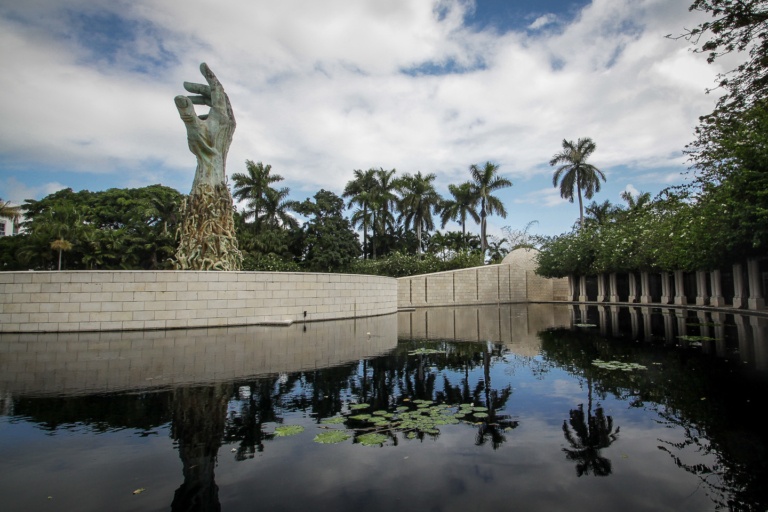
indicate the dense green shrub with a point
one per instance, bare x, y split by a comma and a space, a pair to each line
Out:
402, 265
269, 263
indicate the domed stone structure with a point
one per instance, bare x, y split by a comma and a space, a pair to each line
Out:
521, 258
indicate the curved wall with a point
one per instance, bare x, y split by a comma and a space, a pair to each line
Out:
137, 300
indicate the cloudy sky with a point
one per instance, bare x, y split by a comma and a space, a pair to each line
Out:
320, 88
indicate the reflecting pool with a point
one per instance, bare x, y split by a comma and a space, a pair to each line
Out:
510, 407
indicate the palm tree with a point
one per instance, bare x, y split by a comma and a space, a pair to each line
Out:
484, 183
275, 209
636, 203
360, 192
419, 199
384, 203
463, 204
253, 187
601, 213
575, 173
61, 245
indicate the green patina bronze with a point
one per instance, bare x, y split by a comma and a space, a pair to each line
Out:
207, 234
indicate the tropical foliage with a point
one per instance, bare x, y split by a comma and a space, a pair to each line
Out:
113, 229
574, 174
486, 181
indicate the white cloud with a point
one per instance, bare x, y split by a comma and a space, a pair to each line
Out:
542, 21
318, 89
632, 190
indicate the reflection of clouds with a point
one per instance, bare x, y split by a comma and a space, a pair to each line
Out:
567, 389
451, 474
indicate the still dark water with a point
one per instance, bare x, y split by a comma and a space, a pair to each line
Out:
515, 407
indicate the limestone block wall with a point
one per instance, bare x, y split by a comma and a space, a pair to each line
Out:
479, 285
139, 300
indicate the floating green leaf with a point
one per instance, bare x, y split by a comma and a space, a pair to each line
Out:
332, 437
361, 417
372, 439
333, 421
355, 407
618, 365
288, 430
481, 415
425, 351
696, 338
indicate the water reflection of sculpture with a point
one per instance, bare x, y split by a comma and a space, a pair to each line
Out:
198, 428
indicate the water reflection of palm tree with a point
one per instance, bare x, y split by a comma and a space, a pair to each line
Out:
494, 426
587, 435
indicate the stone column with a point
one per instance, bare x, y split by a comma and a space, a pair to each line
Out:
759, 337
666, 288
601, 288
601, 313
669, 329
633, 322
583, 314
756, 300
647, 331
739, 297
719, 320
632, 287
681, 315
645, 288
582, 288
571, 286
613, 294
744, 333
615, 320
680, 298
705, 330
701, 288
717, 298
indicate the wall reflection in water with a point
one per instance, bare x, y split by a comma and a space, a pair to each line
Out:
72, 363
540, 411
718, 333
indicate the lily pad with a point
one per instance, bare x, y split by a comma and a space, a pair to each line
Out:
425, 351
696, 338
288, 430
356, 407
336, 420
618, 365
332, 437
372, 439
361, 417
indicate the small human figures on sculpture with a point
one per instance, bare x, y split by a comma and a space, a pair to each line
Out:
207, 238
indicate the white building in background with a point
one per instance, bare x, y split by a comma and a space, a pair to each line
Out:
9, 227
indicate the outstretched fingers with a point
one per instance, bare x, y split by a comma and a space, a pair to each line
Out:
216, 91
186, 109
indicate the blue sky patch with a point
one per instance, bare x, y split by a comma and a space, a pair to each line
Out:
112, 39
508, 15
